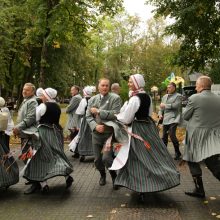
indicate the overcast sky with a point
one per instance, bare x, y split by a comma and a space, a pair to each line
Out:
138, 7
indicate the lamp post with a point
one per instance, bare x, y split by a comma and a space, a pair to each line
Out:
154, 90
74, 77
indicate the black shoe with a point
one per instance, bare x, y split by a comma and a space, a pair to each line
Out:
196, 193
82, 158
45, 189
113, 176
142, 197
29, 182
34, 187
178, 156
76, 155
102, 180
69, 182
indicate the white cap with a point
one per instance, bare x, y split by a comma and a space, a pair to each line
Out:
50, 93
2, 102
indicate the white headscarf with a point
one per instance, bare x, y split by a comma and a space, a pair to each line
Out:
39, 92
2, 102
87, 91
50, 94
138, 81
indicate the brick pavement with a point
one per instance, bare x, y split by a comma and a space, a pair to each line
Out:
86, 199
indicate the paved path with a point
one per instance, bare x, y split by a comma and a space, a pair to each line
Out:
86, 199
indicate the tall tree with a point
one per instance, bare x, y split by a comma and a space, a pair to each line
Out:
197, 24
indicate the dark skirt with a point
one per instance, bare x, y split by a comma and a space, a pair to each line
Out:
9, 172
50, 159
85, 141
146, 170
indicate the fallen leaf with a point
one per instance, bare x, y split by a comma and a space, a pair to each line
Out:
127, 194
206, 202
113, 211
214, 213
212, 198
89, 216
217, 216
123, 205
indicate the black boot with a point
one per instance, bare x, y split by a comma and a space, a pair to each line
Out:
34, 187
199, 189
102, 180
113, 176
177, 152
69, 182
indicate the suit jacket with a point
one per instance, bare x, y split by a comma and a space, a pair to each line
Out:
26, 119
108, 106
172, 111
202, 114
73, 119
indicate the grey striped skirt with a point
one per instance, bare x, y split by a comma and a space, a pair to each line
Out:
85, 141
148, 170
50, 160
9, 172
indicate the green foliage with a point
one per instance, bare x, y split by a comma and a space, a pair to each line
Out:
197, 25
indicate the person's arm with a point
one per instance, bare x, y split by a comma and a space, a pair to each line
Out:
110, 114
176, 104
82, 107
74, 102
89, 116
188, 111
30, 118
128, 114
40, 111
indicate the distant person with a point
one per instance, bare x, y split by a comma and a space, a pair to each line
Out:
202, 143
115, 88
85, 137
170, 109
73, 119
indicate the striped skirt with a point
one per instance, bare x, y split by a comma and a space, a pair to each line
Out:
9, 172
148, 170
50, 160
85, 141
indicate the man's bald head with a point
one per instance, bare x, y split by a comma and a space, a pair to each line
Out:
203, 83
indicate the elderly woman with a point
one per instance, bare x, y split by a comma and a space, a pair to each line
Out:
9, 173
149, 166
49, 160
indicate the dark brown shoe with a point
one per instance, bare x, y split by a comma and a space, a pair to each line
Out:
102, 180
69, 182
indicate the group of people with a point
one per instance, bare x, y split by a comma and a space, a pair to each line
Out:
123, 139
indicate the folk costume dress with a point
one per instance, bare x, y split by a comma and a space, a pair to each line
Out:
9, 172
50, 159
146, 170
85, 133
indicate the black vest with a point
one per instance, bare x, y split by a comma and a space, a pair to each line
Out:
143, 111
52, 114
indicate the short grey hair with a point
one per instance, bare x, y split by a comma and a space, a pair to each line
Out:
30, 85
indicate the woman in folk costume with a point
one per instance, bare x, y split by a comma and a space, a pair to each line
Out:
85, 136
49, 160
9, 172
149, 166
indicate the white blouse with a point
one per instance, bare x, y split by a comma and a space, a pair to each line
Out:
40, 111
81, 110
128, 110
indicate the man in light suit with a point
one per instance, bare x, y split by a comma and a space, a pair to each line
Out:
102, 109
170, 109
202, 114
26, 127
73, 119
